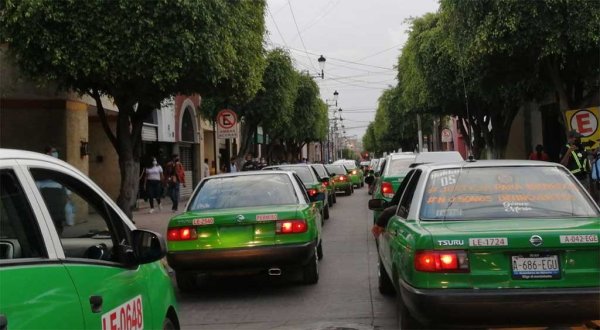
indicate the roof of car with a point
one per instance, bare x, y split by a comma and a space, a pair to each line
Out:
403, 156
248, 173
438, 156
488, 163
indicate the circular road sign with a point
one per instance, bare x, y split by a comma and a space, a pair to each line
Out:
226, 118
585, 122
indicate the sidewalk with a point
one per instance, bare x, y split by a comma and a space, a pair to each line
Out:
157, 221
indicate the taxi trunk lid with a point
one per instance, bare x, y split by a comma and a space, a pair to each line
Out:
233, 228
523, 253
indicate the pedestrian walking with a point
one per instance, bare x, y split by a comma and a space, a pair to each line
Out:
232, 166
205, 169
153, 184
250, 164
539, 154
175, 178
574, 157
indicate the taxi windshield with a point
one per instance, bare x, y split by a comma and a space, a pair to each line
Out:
337, 169
244, 191
399, 166
321, 171
503, 192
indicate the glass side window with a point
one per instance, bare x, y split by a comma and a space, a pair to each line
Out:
407, 196
87, 226
20, 235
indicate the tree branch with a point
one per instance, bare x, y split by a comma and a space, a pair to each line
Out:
103, 120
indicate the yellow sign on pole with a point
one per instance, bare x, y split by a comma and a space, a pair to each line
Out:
585, 121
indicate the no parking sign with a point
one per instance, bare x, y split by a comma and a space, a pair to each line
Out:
585, 121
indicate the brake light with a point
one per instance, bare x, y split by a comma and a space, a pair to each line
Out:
312, 192
354, 172
181, 234
387, 190
325, 184
290, 226
342, 178
442, 261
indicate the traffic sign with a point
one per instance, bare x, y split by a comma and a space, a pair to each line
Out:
585, 121
446, 135
227, 127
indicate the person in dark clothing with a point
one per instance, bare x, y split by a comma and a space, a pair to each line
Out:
250, 164
389, 211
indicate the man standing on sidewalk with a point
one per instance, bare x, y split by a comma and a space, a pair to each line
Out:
175, 177
574, 157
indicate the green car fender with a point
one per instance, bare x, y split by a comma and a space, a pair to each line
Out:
161, 293
406, 236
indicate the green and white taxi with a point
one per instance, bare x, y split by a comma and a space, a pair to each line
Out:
392, 172
247, 222
70, 258
492, 243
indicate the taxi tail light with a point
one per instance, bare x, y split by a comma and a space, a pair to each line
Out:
387, 190
290, 226
325, 184
342, 178
312, 192
354, 172
181, 234
455, 261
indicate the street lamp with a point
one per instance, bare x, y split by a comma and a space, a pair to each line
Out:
321, 61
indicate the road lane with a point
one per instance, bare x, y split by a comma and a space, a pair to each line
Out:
346, 295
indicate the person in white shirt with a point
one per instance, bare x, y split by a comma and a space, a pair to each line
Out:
153, 184
232, 166
205, 169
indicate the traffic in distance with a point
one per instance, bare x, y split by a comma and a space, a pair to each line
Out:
459, 243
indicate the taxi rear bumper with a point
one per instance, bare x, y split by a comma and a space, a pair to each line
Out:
503, 306
288, 255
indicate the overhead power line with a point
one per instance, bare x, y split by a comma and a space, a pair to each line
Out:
277, 27
300, 35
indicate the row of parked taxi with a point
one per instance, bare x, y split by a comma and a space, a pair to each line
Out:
70, 258
485, 243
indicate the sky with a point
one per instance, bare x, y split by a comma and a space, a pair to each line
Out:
361, 41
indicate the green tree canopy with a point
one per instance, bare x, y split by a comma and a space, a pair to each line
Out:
138, 53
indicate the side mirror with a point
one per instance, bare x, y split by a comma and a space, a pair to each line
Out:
376, 204
332, 175
369, 180
148, 246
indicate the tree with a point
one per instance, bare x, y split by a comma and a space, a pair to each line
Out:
138, 53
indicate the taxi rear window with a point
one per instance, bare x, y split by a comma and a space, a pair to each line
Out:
503, 192
337, 169
304, 172
244, 191
398, 167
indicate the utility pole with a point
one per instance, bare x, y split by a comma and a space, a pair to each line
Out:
420, 133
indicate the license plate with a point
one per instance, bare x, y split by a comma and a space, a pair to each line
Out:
535, 266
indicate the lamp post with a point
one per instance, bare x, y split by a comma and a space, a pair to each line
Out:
321, 75
330, 131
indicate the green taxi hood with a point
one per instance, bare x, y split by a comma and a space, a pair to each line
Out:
229, 216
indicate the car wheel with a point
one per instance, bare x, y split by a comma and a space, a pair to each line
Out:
310, 272
320, 250
326, 212
351, 190
334, 198
348, 191
405, 319
386, 287
186, 280
330, 201
168, 324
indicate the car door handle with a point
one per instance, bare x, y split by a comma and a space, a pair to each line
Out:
3, 322
96, 304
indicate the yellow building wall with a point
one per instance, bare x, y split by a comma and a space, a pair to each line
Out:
103, 159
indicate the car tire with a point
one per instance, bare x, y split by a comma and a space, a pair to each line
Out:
310, 272
348, 191
386, 287
320, 250
330, 201
334, 197
405, 319
326, 212
186, 281
168, 324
